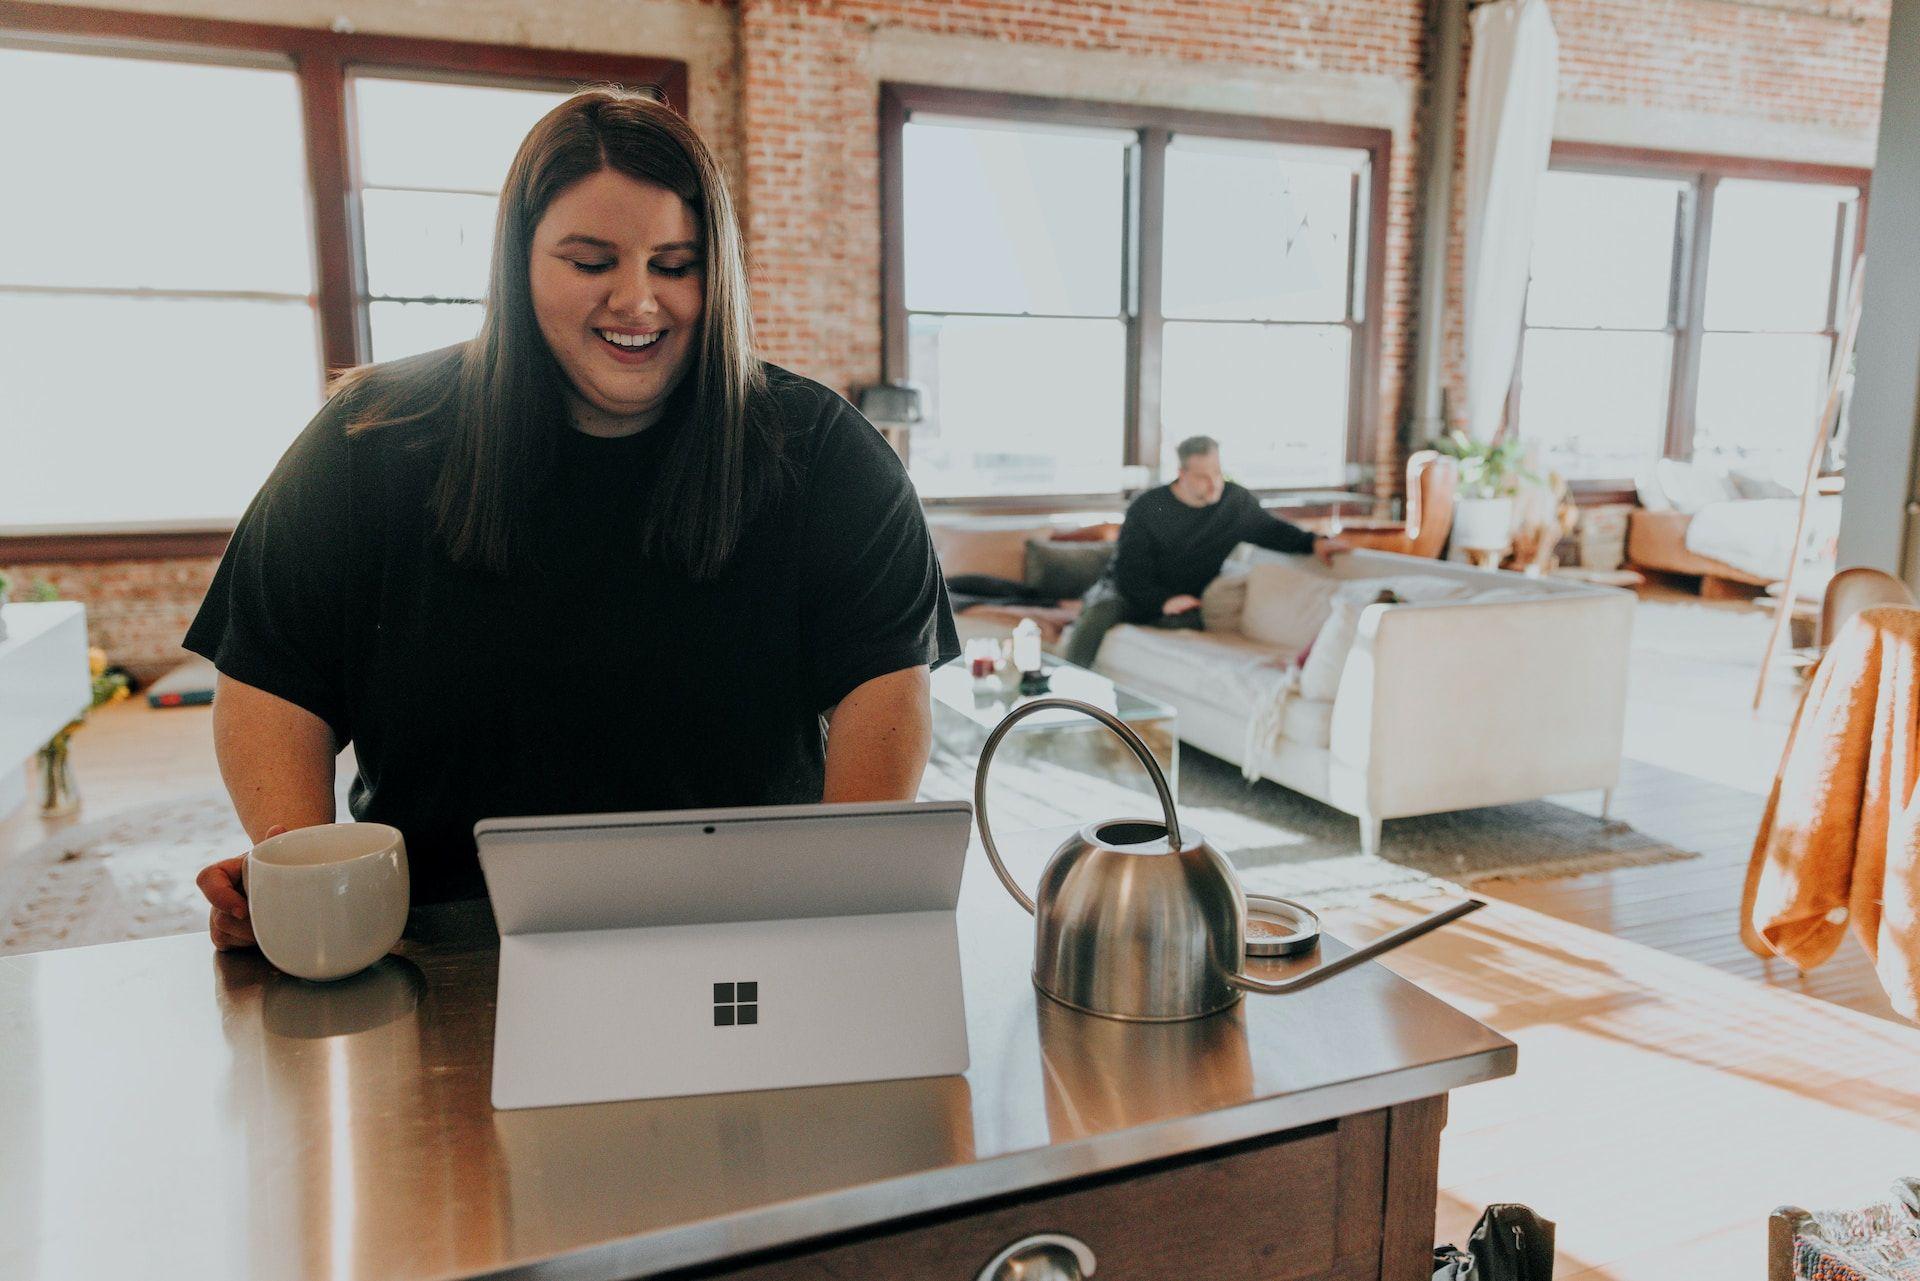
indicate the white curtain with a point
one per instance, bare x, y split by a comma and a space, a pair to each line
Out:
1511, 86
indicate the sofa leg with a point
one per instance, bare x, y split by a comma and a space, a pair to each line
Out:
1606, 804
1369, 836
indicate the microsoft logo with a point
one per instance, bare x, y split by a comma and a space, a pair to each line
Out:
736, 1004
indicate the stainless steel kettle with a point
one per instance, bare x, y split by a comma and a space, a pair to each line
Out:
1138, 920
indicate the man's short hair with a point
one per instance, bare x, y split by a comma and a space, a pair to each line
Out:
1196, 447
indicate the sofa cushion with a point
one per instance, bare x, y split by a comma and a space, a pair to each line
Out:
1286, 604
1065, 570
1691, 486
1224, 602
1221, 669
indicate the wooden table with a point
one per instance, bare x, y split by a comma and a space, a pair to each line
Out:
169, 1112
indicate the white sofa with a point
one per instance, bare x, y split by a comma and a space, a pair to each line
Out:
1443, 705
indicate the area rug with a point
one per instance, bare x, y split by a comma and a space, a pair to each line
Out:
128, 876
1288, 844
131, 875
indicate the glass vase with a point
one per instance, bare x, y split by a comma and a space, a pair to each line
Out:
59, 794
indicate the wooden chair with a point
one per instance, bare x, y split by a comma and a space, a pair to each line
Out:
1852, 590
1432, 479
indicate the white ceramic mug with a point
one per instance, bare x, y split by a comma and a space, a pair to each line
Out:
328, 901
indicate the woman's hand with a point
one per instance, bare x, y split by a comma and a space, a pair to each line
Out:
226, 889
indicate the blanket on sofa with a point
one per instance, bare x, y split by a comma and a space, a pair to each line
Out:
1755, 535
1840, 838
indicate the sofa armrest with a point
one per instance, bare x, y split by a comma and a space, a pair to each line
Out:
1455, 704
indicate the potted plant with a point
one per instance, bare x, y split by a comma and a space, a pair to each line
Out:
1491, 472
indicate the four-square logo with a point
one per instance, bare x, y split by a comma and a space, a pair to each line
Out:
736, 1004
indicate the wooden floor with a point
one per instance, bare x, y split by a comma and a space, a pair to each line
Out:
1672, 1088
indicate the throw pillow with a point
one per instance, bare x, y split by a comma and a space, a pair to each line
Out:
1691, 486
1224, 602
1646, 487
1759, 482
1320, 672
1286, 604
1063, 570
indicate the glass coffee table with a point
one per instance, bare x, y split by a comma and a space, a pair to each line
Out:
966, 709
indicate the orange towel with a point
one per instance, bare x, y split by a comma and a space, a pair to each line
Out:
1840, 842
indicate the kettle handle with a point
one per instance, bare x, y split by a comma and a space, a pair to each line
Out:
1112, 722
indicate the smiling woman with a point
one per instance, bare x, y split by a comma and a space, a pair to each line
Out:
601, 557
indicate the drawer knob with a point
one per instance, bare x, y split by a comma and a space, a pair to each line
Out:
1045, 1256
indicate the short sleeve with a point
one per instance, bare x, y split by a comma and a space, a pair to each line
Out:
874, 600
274, 617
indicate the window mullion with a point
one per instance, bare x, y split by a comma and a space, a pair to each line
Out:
1147, 210
323, 104
1693, 237
1837, 282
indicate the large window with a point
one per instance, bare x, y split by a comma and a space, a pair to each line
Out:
431, 158
1077, 288
156, 300
178, 277
1685, 308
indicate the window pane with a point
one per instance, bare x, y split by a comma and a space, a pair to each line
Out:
1770, 263
1595, 403
1017, 406
1223, 381
408, 328
158, 175
1256, 231
1013, 220
450, 137
1759, 397
428, 244
186, 425
1603, 250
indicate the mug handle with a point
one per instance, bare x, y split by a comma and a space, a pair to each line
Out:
1112, 722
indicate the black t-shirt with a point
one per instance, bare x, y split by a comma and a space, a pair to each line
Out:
604, 680
1169, 549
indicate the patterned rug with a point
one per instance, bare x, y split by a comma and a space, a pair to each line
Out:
131, 875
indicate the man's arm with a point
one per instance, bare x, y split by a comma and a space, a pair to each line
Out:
1263, 529
878, 738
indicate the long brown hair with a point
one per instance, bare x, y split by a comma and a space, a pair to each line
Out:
505, 395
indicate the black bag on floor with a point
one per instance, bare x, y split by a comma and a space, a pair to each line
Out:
1510, 1243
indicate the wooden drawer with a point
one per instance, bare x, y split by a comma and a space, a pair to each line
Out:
1311, 1203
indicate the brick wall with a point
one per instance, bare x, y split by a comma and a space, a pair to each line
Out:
137, 610
787, 91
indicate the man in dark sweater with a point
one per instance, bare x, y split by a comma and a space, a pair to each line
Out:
1172, 545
